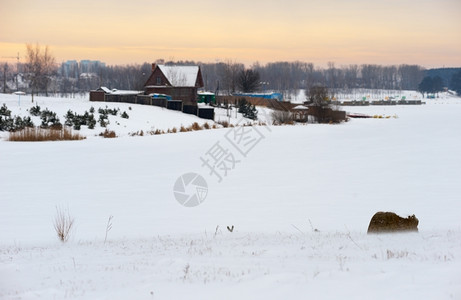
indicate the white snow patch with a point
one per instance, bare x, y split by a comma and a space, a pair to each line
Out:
296, 179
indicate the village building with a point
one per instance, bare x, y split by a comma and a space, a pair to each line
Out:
300, 113
179, 82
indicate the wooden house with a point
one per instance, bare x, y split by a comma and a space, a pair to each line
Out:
179, 82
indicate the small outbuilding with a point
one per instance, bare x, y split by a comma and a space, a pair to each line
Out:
300, 113
206, 97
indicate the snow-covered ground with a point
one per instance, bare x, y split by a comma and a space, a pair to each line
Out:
141, 117
300, 198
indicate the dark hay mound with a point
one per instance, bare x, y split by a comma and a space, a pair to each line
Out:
385, 222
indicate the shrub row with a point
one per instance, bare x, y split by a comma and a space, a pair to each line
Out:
12, 123
8, 123
76, 120
49, 119
108, 111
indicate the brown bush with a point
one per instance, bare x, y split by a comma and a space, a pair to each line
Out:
385, 222
63, 224
108, 134
56, 126
174, 130
183, 129
195, 126
224, 124
139, 133
206, 126
38, 134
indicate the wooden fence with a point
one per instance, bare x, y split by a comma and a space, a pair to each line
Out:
204, 113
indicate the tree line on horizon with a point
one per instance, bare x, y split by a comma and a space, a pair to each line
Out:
40, 74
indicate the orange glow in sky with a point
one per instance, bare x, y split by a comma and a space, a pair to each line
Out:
424, 32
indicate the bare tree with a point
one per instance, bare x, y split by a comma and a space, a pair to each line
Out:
309, 74
411, 76
223, 77
248, 80
332, 75
319, 103
351, 76
5, 73
229, 75
40, 66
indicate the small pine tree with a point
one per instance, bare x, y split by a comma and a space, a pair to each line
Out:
103, 120
6, 123
252, 112
18, 123
69, 118
49, 119
35, 110
242, 105
91, 121
4, 111
27, 122
247, 110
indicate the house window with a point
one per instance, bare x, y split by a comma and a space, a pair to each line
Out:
159, 80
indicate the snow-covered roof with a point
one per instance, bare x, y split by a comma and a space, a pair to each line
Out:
118, 92
105, 90
183, 76
300, 107
124, 92
88, 75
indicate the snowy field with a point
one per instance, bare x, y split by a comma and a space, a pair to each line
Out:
300, 200
299, 96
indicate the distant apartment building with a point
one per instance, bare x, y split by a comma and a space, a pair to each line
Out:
91, 66
74, 69
69, 69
